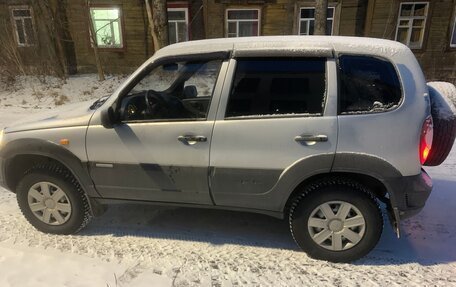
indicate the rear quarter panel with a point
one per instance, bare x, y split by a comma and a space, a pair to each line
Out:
392, 135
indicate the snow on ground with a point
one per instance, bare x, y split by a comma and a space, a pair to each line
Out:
142, 245
24, 266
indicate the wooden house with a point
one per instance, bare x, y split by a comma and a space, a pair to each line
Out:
427, 27
123, 35
121, 28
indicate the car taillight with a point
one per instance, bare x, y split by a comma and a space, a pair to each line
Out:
426, 139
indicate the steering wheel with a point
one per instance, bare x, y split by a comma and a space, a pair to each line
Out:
156, 107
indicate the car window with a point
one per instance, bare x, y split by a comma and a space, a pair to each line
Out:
277, 86
160, 78
174, 91
204, 79
367, 84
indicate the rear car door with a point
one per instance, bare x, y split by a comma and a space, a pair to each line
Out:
276, 125
160, 149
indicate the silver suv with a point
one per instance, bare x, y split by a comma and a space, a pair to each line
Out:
321, 131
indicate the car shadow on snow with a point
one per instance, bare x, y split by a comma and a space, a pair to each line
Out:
427, 238
203, 225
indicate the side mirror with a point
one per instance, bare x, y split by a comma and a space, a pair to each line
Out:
108, 118
190, 92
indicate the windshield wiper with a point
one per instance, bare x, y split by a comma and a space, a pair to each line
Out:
98, 103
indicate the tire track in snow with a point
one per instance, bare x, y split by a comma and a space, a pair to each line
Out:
228, 259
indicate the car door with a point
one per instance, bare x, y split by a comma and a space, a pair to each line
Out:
276, 126
159, 150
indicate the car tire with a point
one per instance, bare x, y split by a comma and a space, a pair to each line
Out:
52, 200
443, 111
352, 229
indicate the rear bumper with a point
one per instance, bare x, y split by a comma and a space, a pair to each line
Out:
410, 194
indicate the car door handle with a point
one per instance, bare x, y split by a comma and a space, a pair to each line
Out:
311, 138
189, 139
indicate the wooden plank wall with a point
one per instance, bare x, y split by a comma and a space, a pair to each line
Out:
36, 58
280, 17
437, 59
137, 40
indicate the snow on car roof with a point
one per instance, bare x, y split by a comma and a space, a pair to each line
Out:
295, 44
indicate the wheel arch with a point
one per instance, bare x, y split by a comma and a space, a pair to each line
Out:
374, 172
22, 154
377, 187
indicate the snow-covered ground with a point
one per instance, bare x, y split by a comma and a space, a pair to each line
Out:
145, 245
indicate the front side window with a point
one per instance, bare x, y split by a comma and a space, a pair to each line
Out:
177, 25
277, 86
411, 23
367, 85
307, 21
173, 91
23, 26
107, 25
453, 34
243, 23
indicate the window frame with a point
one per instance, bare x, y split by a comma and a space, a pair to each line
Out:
274, 116
164, 61
227, 21
410, 24
186, 21
339, 81
16, 32
310, 19
121, 25
453, 31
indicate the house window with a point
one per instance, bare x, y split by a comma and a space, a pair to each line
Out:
411, 23
178, 25
243, 22
307, 21
453, 35
107, 25
23, 26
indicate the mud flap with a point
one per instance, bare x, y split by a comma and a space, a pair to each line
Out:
97, 209
394, 219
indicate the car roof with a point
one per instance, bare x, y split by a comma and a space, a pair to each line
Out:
293, 45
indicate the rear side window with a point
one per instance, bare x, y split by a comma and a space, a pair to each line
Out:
367, 84
277, 86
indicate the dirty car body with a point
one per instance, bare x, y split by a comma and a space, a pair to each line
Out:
244, 125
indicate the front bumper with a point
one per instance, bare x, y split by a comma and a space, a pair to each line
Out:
410, 194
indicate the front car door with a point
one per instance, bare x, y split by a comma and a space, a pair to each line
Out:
276, 126
159, 150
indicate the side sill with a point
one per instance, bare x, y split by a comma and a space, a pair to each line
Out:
110, 201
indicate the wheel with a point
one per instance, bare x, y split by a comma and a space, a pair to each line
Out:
336, 220
443, 101
52, 200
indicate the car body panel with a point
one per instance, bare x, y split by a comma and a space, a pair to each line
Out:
250, 156
230, 164
391, 135
149, 162
71, 115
